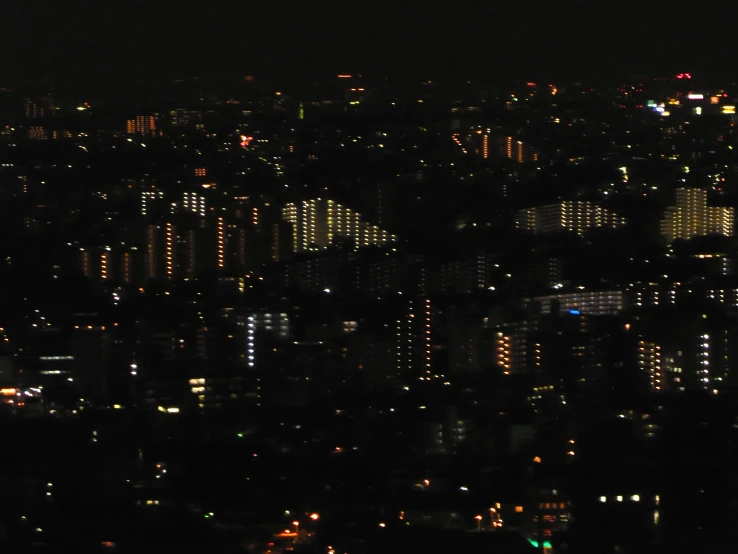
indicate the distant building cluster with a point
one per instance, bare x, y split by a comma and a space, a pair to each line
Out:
498, 309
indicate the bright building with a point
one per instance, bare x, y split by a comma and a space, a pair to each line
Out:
316, 223
577, 216
692, 217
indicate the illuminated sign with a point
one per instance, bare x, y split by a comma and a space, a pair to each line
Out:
8, 392
696, 96
729, 109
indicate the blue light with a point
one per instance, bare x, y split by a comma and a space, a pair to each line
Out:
574, 312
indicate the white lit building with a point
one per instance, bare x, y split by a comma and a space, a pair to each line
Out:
149, 197
577, 216
413, 341
581, 302
316, 223
194, 203
692, 217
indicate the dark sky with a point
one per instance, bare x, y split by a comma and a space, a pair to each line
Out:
113, 41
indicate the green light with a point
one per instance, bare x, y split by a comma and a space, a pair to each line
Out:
240, 435
546, 544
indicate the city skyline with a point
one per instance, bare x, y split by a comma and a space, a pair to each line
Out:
362, 315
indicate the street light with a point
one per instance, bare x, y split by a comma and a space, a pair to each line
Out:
479, 522
314, 517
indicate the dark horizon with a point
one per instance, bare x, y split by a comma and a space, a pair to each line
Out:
83, 43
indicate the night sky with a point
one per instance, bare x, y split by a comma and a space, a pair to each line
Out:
113, 41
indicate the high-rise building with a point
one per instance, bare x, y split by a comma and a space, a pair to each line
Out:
120, 263
170, 250
222, 244
181, 117
37, 132
161, 251
35, 110
153, 203
577, 216
130, 262
193, 203
94, 263
581, 302
498, 147
316, 223
503, 351
467, 274
512, 149
649, 363
692, 217
90, 348
141, 125
189, 240
413, 341
280, 240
